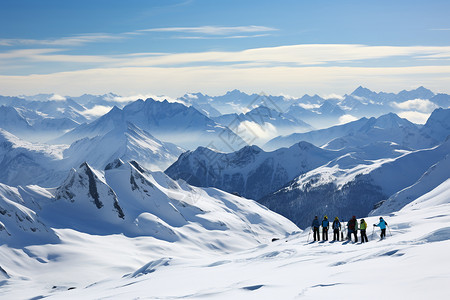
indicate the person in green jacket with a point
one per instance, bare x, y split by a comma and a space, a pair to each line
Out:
362, 228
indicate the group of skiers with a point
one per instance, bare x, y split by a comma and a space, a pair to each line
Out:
352, 229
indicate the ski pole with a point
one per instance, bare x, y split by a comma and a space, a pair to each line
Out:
373, 230
389, 230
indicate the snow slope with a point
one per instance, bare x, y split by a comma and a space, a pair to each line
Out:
411, 263
22, 162
433, 177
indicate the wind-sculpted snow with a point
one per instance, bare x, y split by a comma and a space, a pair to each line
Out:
250, 172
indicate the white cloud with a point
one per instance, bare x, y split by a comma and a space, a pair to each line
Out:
309, 106
212, 30
294, 55
249, 130
96, 111
333, 96
415, 116
215, 80
57, 97
420, 105
75, 40
347, 119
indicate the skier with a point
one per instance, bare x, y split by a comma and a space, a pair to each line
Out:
382, 224
352, 228
315, 225
325, 225
336, 227
363, 227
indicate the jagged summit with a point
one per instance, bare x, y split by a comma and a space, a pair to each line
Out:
362, 92
85, 191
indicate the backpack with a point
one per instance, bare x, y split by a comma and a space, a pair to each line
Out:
336, 224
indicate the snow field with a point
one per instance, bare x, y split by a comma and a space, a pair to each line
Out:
411, 264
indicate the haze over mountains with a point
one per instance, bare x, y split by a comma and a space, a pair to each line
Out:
203, 176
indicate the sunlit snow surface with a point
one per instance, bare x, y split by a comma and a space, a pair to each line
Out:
412, 263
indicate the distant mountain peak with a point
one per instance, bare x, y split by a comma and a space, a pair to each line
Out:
361, 91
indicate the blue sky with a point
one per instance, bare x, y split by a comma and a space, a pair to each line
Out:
172, 47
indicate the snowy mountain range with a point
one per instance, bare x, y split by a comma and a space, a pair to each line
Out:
87, 219
353, 185
171, 122
250, 172
262, 123
388, 127
128, 199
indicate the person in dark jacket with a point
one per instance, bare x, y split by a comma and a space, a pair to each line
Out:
382, 224
336, 228
315, 226
325, 225
362, 228
352, 228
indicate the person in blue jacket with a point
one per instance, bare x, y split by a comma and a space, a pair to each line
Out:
315, 226
382, 224
325, 226
336, 228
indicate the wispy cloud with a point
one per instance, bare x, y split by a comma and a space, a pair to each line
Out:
206, 32
75, 40
220, 37
213, 30
293, 55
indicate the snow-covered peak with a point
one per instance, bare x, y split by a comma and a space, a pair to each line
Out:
362, 92
126, 141
438, 124
86, 195
390, 121
419, 93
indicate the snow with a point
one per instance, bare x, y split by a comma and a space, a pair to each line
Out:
411, 263
113, 229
